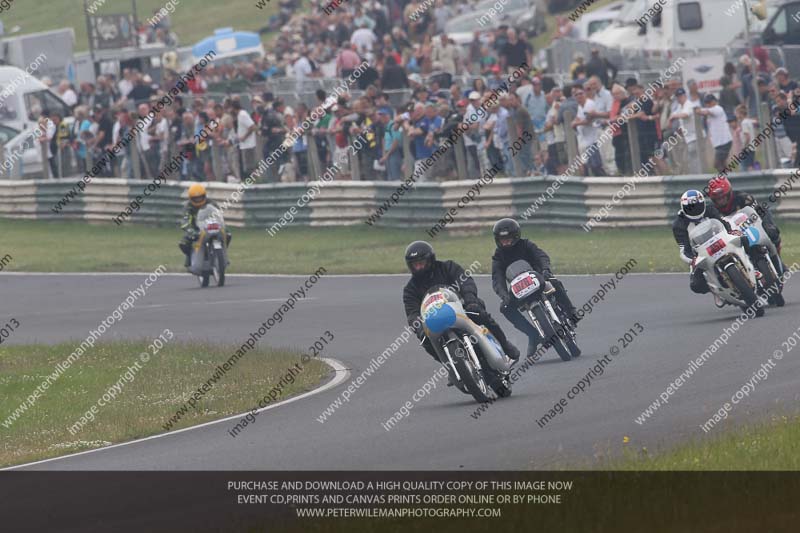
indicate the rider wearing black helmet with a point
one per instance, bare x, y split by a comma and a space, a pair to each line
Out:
512, 247
427, 272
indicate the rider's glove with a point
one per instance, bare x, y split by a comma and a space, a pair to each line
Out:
694, 260
420, 333
736, 232
506, 300
473, 306
547, 274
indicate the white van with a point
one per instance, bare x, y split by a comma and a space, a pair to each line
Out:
23, 97
682, 25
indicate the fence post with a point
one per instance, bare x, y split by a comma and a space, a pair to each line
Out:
43, 149
570, 137
216, 160
461, 159
512, 133
702, 142
355, 170
408, 159
771, 146
315, 169
136, 163
633, 143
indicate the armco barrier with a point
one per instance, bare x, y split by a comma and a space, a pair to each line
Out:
653, 201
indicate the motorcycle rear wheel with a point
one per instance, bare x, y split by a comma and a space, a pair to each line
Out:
762, 264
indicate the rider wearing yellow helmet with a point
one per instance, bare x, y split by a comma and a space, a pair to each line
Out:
197, 200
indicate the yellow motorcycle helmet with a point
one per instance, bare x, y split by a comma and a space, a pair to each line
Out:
197, 194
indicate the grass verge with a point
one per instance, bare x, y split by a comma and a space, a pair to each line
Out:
773, 445
44, 246
145, 400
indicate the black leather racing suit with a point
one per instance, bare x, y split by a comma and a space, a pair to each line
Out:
540, 262
450, 274
680, 230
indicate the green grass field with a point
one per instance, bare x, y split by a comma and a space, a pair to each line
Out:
73, 246
148, 397
774, 445
192, 20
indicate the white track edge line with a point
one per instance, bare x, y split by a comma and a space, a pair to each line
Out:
341, 374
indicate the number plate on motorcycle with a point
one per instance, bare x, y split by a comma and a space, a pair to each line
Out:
715, 247
217, 245
212, 226
437, 299
523, 285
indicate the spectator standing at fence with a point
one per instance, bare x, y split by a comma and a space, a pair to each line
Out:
603, 100
184, 142
619, 130
646, 119
393, 76
746, 132
524, 134
534, 100
728, 98
554, 135
718, 130
246, 137
423, 132
588, 132
392, 157
273, 131
783, 141
682, 119
102, 142
364, 39
472, 137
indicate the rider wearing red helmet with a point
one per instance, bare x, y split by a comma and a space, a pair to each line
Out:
728, 201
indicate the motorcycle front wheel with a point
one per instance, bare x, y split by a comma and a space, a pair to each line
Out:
218, 265
471, 377
763, 266
550, 336
745, 290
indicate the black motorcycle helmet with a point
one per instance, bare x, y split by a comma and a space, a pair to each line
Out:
420, 258
504, 229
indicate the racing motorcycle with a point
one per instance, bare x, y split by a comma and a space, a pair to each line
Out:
469, 352
723, 260
535, 299
762, 252
210, 249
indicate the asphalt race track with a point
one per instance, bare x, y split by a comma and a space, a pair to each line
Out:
365, 314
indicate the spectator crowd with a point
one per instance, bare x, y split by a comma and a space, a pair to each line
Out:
417, 87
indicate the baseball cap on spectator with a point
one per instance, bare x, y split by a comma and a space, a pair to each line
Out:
385, 111
474, 95
630, 82
708, 98
680, 91
416, 78
781, 70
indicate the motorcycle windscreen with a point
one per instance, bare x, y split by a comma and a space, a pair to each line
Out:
516, 268
440, 319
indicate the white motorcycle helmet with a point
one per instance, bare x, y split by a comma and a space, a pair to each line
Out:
693, 205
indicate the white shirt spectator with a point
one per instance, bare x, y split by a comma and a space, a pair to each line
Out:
70, 98
302, 68
688, 123
588, 134
244, 123
748, 131
718, 130
162, 132
125, 87
364, 38
603, 100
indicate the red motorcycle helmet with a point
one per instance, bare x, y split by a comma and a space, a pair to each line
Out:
721, 193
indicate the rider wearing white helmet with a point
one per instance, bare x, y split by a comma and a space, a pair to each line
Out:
693, 210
